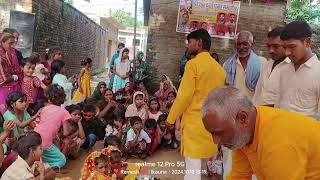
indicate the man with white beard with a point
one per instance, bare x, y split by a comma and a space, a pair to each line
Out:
268, 142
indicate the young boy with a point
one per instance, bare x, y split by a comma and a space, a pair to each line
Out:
152, 129
138, 142
29, 164
90, 126
167, 134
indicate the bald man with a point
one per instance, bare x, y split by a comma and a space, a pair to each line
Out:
270, 143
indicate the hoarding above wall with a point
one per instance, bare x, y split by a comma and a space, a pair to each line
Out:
218, 17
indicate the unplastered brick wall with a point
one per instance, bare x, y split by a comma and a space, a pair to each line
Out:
59, 24
165, 46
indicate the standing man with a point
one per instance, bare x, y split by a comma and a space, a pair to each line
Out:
243, 68
299, 89
271, 143
265, 93
202, 74
112, 63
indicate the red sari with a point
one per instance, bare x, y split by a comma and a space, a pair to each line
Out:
9, 66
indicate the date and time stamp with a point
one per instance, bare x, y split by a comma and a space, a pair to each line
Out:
168, 168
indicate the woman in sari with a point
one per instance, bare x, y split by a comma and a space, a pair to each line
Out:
10, 71
140, 69
99, 91
121, 70
163, 93
164, 78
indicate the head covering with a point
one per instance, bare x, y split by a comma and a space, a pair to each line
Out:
134, 97
162, 93
132, 109
171, 84
138, 54
89, 165
96, 93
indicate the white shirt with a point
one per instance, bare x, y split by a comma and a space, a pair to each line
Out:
240, 79
18, 170
37, 72
266, 89
143, 136
299, 91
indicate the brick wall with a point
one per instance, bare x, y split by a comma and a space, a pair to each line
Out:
165, 46
59, 24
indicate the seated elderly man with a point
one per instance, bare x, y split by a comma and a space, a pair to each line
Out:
271, 143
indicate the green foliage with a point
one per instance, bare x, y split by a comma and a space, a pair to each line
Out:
303, 10
69, 2
126, 18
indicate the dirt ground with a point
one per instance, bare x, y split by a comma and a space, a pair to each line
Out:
164, 164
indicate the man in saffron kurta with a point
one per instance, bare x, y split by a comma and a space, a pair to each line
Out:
270, 143
202, 74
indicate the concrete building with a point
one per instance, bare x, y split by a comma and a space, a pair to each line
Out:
112, 26
57, 24
127, 37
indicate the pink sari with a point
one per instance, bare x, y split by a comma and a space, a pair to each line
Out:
9, 66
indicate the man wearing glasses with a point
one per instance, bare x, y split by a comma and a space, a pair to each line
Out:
269, 75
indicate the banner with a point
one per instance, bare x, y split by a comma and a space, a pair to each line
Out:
218, 17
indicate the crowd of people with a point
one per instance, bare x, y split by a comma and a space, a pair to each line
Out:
54, 117
47, 118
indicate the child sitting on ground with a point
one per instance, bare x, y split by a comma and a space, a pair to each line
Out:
138, 142
154, 111
166, 133
90, 126
17, 104
106, 164
138, 107
99, 171
52, 117
116, 126
29, 164
78, 137
153, 131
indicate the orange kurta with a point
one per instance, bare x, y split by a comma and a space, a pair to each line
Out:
286, 146
202, 74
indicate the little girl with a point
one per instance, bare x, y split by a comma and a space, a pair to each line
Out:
121, 70
57, 72
31, 84
138, 107
52, 117
154, 111
84, 89
17, 104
